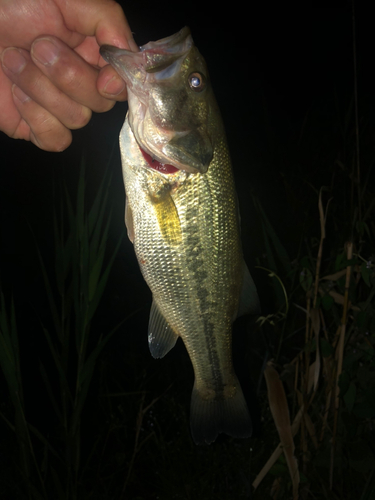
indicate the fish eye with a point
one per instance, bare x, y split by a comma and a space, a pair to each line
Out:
197, 82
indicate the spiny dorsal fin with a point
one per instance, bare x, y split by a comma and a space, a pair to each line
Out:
161, 337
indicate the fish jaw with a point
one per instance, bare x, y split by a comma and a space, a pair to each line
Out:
172, 131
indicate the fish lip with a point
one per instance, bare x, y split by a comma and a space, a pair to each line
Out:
110, 54
165, 161
188, 166
172, 43
146, 60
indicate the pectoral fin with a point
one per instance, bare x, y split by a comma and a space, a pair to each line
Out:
249, 300
129, 221
161, 337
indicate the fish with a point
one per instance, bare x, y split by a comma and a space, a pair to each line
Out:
182, 217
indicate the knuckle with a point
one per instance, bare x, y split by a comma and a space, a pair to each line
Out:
71, 78
81, 118
117, 9
49, 134
35, 84
50, 141
21, 131
106, 105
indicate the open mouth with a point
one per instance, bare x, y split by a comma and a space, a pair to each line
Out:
156, 165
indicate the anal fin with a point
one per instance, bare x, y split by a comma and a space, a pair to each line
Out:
161, 337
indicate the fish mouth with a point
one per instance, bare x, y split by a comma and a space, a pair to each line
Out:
153, 57
161, 165
194, 158
154, 164
156, 62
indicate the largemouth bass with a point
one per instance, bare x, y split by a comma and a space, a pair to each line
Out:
181, 214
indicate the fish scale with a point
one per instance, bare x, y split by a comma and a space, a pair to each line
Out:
184, 225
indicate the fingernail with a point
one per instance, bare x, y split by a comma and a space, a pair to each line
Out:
114, 86
20, 94
13, 60
45, 51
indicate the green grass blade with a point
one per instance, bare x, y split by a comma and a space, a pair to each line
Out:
9, 424
50, 392
58, 364
96, 260
102, 282
52, 304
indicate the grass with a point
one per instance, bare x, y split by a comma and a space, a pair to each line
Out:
331, 398
81, 273
120, 428
117, 420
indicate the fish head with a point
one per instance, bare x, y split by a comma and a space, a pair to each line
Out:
170, 100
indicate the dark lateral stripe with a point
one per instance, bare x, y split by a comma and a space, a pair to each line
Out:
212, 350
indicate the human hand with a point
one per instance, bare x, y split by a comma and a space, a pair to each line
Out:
52, 75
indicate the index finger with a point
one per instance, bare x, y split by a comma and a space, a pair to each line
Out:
103, 19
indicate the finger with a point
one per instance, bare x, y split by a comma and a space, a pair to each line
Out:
9, 116
21, 70
103, 19
73, 75
23, 20
111, 85
38, 125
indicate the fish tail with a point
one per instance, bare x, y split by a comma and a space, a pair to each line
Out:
211, 416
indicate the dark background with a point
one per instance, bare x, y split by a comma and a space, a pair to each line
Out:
271, 69
281, 77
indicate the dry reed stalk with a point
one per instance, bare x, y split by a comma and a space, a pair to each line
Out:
325, 416
340, 356
324, 327
310, 429
276, 488
323, 217
328, 371
328, 376
313, 326
280, 412
305, 381
277, 452
296, 374
315, 321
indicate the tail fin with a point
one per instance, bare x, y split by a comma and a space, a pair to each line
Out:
209, 417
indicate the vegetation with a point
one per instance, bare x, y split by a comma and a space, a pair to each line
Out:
89, 415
